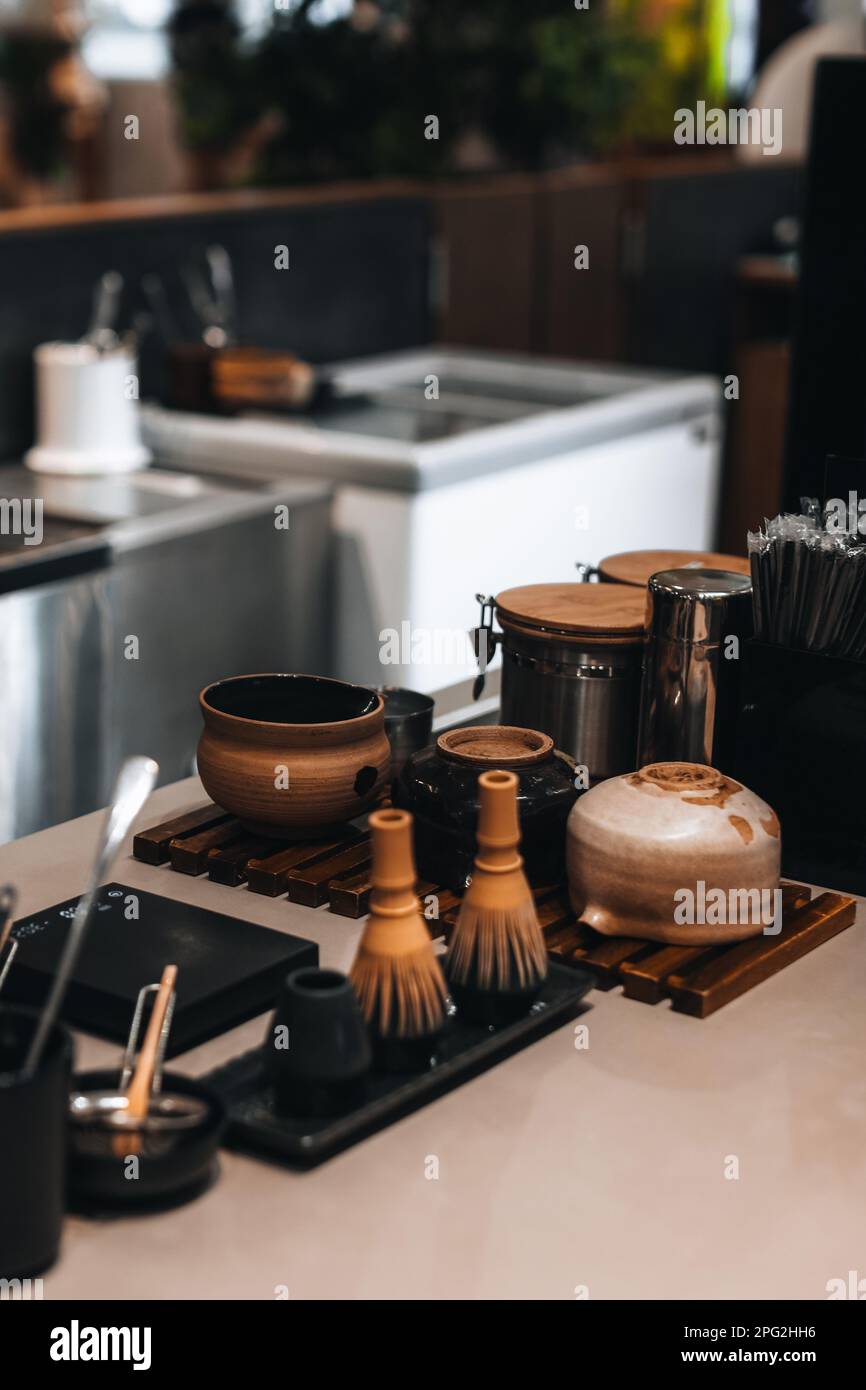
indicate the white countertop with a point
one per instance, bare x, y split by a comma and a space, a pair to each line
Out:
559, 1168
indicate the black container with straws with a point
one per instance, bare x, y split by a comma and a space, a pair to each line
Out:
801, 740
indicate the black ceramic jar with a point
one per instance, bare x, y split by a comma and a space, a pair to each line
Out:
440, 787
317, 1049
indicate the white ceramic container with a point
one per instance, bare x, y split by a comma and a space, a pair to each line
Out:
677, 853
87, 411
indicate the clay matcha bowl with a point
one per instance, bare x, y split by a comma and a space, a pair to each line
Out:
292, 755
636, 842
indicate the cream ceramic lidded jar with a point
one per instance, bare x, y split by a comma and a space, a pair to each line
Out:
676, 852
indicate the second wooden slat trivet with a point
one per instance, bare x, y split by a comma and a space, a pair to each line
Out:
749, 963
646, 979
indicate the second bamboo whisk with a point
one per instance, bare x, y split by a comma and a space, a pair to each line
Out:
497, 961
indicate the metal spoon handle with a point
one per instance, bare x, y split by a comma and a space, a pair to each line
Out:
134, 785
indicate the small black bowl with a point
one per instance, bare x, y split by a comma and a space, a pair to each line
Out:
317, 1048
97, 1178
408, 723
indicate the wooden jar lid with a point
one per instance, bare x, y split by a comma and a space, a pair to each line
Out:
586, 612
495, 745
635, 566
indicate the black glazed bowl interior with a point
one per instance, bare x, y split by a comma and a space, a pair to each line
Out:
289, 699
96, 1176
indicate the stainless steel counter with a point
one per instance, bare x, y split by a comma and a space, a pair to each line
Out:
144, 588
604, 1168
86, 515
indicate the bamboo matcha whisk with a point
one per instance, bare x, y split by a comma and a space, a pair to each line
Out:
497, 959
396, 975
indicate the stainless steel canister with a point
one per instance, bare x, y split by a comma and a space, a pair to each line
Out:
698, 620
583, 694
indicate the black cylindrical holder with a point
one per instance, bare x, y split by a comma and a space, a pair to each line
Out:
801, 744
33, 1149
317, 1050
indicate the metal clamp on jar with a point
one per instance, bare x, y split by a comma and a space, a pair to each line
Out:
571, 660
698, 621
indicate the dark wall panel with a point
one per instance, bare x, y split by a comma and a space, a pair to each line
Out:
695, 226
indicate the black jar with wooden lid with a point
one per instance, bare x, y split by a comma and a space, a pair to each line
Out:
439, 785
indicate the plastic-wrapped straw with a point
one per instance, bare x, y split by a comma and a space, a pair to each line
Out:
759, 546
808, 585
853, 613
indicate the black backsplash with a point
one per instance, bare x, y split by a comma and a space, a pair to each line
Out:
357, 284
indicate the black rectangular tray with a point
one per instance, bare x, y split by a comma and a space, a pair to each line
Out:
228, 970
465, 1049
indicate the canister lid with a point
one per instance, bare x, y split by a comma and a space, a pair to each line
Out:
703, 605
584, 612
636, 566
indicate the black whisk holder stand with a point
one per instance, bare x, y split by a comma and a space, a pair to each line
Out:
801, 744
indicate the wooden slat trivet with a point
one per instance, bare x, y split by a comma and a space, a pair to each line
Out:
228, 864
350, 897
151, 846
270, 876
563, 938
449, 904
309, 885
749, 963
188, 855
606, 955
646, 979
447, 908
699, 979
554, 910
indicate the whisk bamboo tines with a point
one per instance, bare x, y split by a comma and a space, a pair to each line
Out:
396, 975
497, 947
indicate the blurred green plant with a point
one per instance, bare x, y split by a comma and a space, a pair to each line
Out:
584, 80
538, 81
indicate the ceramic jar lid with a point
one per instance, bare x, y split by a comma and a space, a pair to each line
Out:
635, 566
588, 613
495, 745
